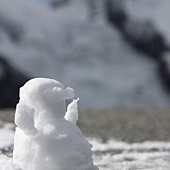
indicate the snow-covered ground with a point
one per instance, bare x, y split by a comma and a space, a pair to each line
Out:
111, 155
88, 55
119, 155
6, 136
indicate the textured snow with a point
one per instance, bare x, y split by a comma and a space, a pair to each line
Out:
114, 145
90, 56
7, 163
116, 155
6, 135
44, 139
72, 112
131, 161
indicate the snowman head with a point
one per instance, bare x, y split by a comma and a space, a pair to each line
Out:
46, 95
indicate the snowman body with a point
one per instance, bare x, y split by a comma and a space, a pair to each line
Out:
45, 138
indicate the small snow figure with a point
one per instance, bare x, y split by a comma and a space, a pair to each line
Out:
47, 137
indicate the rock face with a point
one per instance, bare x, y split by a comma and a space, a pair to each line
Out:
46, 134
11, 29
58, 3
115, 13
141, 34
164, 71
10, 81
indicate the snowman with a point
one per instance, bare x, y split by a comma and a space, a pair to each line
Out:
46, 136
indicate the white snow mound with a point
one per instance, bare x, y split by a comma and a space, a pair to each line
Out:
44, 139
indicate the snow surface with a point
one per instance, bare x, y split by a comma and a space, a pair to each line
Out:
7, 163
72, 112
134, 161
88, 55
6, 135
44, 139
116, 155
115, 146
111, 155
120, 155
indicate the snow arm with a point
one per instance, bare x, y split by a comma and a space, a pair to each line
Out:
24, 119
72, 112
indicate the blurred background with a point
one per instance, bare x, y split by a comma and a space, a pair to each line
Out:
114, 53
116, 56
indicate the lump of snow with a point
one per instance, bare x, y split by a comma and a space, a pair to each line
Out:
46, 138
7, 164
72, 112
6, 135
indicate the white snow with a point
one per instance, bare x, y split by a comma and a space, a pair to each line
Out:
72, 112
114, 145
120, 155
90, 56
134, 161
116, 155
7, 163
44, 139
6, 135
113, 154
